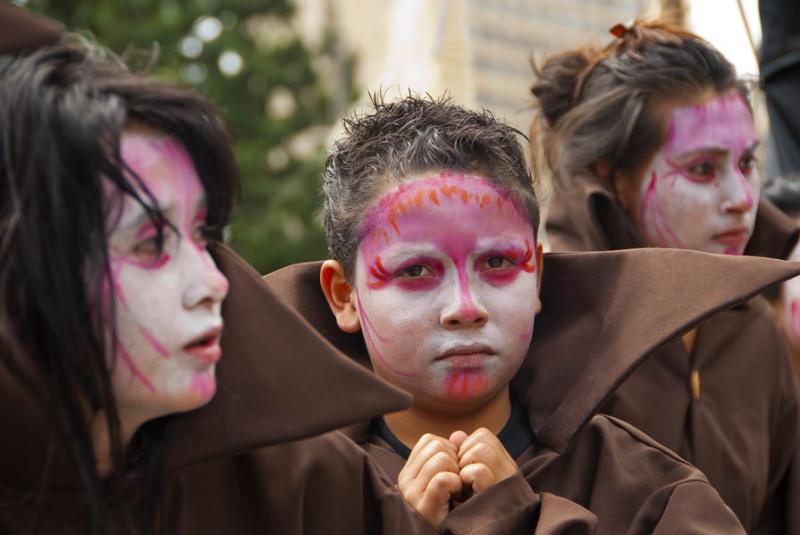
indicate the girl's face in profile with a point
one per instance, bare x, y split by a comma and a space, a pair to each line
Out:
701, 189
446, 288
168, 299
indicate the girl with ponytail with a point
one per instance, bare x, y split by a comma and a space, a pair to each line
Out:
650, 142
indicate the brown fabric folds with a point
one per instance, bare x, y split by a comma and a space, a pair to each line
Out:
602, 314
21, 29
279, 380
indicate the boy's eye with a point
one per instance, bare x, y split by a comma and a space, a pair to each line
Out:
417, 270
498, 262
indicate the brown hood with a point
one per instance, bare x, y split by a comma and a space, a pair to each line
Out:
278, 381
603, 314
584, 215
21, 29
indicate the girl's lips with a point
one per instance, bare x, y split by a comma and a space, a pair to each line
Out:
206, 346
732, 237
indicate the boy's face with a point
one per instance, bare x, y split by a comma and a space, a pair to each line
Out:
446, 288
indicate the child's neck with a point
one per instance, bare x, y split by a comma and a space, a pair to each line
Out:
409, 425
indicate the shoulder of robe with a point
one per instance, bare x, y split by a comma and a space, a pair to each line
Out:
584, 215
616, 433
603, 313
21, 29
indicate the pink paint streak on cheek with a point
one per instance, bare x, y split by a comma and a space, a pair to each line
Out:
466, 383
153, 341
135, 371
794, 315
372, 336
655, 225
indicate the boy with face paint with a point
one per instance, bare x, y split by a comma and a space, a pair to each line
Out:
667, 159
436, 283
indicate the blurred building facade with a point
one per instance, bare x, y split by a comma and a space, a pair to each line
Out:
478, 51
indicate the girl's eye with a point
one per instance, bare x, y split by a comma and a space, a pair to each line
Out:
150, 250
498, 262
202, 233
417, 270
703, 171
747, 164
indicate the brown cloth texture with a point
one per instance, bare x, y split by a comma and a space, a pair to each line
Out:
730, 406
603, 314
242, 464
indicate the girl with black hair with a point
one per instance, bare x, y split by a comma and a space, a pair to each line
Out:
124, 411
651, 143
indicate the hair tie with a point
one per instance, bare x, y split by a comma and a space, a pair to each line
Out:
620, 31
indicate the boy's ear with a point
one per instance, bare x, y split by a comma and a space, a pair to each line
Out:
539, 265
340, 296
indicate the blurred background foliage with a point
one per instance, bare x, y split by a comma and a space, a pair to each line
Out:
279, 95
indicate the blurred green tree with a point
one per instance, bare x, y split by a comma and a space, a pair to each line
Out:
279, 96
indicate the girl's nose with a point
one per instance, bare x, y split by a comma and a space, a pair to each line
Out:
738, 195
207, 286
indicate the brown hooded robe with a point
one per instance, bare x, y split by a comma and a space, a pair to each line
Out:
602, 314
242, 464
731, 405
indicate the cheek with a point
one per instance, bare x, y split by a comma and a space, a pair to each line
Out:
146, 306
673, 208
513, 309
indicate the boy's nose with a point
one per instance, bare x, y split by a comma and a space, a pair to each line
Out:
464, 311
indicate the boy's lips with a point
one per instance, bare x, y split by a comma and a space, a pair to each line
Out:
467, 356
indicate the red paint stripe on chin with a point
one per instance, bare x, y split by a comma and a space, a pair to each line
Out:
466, 383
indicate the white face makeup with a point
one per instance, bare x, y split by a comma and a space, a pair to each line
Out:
701, 189
446, 288
167, 302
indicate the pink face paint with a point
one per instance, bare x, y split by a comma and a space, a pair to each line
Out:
701, 191
135, 372
466, 383
205, 386
168, 298
446, 274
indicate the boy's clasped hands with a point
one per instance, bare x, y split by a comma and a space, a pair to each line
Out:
439, 470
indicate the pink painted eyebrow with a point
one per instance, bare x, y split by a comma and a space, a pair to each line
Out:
716, 150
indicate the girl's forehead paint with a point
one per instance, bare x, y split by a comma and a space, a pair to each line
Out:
445, 191
725, 122
166, 169
142, 151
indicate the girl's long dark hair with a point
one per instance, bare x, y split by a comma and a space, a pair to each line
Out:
62, 111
